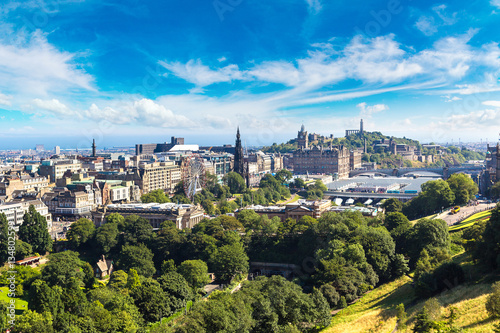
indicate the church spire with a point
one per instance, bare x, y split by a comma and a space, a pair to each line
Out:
238, 155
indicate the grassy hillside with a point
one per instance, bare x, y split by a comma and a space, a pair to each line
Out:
470, 221
375, 311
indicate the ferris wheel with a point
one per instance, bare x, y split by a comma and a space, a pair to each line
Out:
193, 175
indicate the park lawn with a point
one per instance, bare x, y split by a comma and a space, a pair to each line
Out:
431, 217
21, 304
469, 300
295, 199
471, 220
375, 311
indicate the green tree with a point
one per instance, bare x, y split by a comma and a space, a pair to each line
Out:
235, 182
228, 261
488, 249
177, 288
80, 232
33, 322
106, 237
157, 196
137, 230
168, 266
4, 244
88, 275
133, 279
152, 301
495, 190
493, 301
195, 272
398, 225
401, 316
34, 231
3, 315
45, 299
283, 175
118, 280
427, 234
423, 324
116, 218
331, 295
138, 257
248, 218
463, 186
392, 205
438, 194
299, 183
23, 249
208, 206
62, 268
397, 221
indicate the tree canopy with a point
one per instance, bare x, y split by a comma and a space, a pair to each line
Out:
34, 231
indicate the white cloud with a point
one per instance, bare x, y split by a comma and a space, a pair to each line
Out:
492, 103
141, 112
314, 6
426, 25
153, 114
429, 25
476, 120
495, 3
53, 106
5, 99
201, 75
377, 60
35, 67
367, 111
449, 99
218, 122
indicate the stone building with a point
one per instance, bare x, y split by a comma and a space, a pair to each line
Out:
295, 210
354, 160
183, 215
14, 211
55, 169
319, 160
302, 138
158, 175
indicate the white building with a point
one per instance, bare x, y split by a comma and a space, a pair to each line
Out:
14, 211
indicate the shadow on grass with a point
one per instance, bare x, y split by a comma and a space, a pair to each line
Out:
478, 323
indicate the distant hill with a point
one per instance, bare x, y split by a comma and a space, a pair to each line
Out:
452, 155
353, 141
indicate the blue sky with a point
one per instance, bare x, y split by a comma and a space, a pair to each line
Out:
141, 71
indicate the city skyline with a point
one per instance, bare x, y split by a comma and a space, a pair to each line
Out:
126, 72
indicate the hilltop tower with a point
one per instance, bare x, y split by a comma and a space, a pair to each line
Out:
361, 126
302, 138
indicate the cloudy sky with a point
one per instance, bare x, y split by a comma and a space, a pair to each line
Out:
133, 71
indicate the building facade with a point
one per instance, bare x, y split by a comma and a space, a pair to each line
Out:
294, 211
319, 160
55, 169
158, 176
183, 215
302, 138
14, 211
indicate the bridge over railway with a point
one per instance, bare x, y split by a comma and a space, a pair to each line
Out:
443, 172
